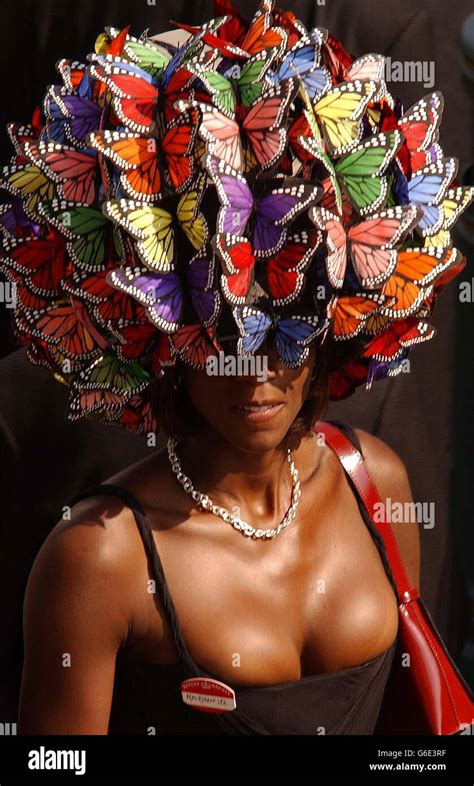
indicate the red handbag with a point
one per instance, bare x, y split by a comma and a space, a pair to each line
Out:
428, 696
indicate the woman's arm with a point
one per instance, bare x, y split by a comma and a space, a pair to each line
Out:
74, 623
390, 476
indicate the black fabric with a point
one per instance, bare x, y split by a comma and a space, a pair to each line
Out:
342, 702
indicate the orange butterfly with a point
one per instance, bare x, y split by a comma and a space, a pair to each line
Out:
410, 283
139, 157
352, 311
261, 34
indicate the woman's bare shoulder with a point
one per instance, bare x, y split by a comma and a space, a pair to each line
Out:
92, 559
390, 475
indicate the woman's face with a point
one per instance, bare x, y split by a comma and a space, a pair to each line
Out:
250, 412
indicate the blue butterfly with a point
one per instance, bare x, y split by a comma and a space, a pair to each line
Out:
428, 187
293, 334
303, 59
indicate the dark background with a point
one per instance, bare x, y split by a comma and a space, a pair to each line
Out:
426, 416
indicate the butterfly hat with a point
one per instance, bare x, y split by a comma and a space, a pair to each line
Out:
232, 184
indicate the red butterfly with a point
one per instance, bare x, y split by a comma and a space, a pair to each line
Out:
344, 381
390, 344
194, 344
135, 340
238, 261
42, 260
135, 92
107, 304
26, 298
235, 29
73, 171
59, 324
420, 127
137, 416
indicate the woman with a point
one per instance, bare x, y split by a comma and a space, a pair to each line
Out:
259, 189
315, 600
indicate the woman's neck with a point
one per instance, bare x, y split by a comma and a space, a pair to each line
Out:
258, 485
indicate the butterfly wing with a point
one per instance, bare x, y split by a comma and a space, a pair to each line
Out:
192, 220
42, 260
261, 33
177, 145
420, 127
285, 271
254, 326
408, 286
134, 91
428, 185
252, 77
160, 293
194, 344
222, 135
137, 159
265, 125
199, 284
336, 243
30, 184
352, 311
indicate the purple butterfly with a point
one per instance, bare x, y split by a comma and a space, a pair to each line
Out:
382, 369
79, 114
269, 216
13, 217
163, 295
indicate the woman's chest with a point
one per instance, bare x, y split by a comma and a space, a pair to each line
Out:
309, 606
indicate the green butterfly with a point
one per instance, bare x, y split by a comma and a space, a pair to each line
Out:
86, 230
362, 171
110, 373
247, 81
151, 57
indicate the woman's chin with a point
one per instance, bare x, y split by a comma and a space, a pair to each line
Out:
255, 436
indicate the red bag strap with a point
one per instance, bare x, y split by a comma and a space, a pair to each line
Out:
354, 464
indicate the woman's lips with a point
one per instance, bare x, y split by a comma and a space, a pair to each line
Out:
255, 413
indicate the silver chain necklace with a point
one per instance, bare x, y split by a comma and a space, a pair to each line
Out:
206, 503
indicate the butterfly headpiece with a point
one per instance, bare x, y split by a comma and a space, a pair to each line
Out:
232, 184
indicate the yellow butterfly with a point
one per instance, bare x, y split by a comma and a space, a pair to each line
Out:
456, 201
192, 221
340, 112
28, 182
154, 227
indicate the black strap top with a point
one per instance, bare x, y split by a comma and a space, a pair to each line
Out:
147, 697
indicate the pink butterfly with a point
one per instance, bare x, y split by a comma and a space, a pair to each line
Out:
263, 128
371, 244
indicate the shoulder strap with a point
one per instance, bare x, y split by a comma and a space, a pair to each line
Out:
152, 552
354, 465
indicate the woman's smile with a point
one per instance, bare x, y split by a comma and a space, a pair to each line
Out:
256, 412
